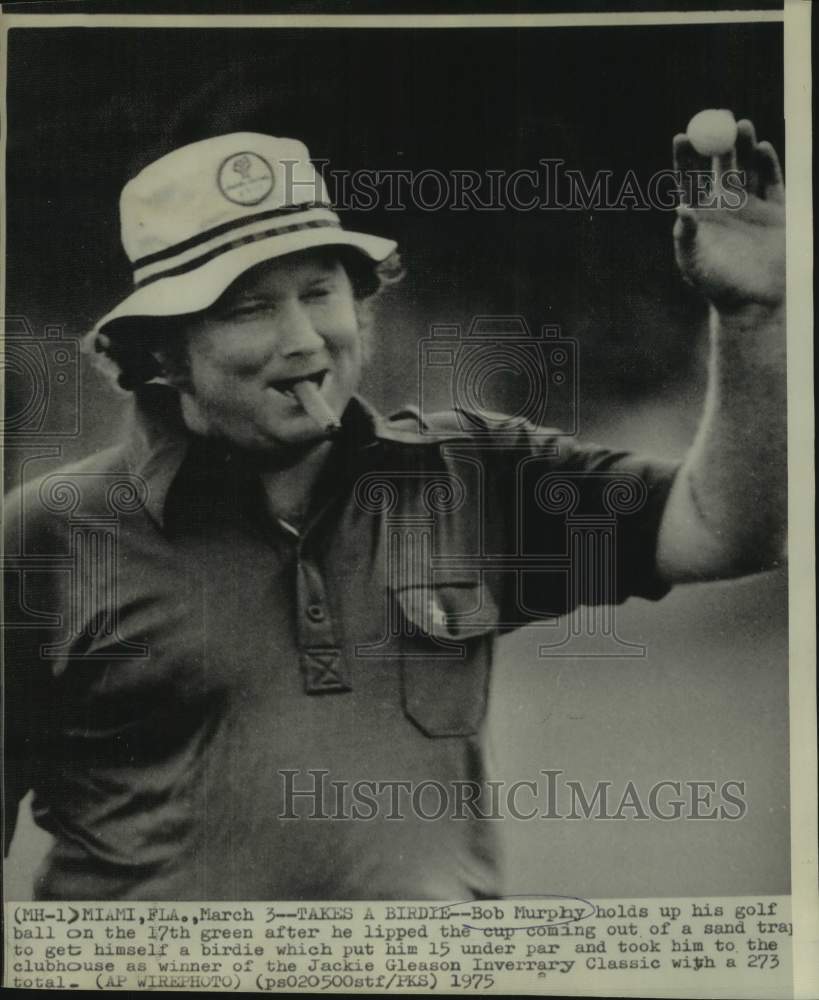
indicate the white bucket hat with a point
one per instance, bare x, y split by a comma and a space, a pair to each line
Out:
196, 219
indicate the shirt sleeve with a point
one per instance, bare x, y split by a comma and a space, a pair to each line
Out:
582, 522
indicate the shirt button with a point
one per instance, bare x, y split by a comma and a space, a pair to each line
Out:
315, 612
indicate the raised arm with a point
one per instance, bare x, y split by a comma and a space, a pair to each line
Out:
726, 514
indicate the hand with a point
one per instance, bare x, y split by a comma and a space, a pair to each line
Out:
735, 256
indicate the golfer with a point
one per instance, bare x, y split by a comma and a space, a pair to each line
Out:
266, 636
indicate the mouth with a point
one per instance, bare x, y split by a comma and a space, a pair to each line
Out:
285, 385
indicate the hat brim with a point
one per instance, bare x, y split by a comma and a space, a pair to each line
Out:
193, 291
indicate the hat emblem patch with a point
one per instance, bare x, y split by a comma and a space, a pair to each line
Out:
245, 178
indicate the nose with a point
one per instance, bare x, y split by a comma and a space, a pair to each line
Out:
297, 333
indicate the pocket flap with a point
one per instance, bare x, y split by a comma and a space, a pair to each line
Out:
450, 611
447, 655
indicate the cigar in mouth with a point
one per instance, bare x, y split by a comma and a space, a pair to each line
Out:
314, 404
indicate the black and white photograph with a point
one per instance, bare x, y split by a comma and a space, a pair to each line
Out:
396, 474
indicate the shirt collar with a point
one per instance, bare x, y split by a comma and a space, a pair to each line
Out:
160, 443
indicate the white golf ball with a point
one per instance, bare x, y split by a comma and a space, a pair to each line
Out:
713, 132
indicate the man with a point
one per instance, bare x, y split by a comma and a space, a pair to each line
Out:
260, 641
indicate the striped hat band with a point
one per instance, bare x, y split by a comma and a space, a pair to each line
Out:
192, 253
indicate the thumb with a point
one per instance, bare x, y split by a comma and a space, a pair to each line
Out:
685, 228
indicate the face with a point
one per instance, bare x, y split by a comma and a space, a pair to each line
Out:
289, 319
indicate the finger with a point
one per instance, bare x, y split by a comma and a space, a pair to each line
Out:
685, 156
723, 163
726, 161
685, 239
687, 164
685, 228
771, 183
746, 155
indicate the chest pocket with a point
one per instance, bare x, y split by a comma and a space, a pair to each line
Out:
447, 641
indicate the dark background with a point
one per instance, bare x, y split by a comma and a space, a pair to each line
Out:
89, 107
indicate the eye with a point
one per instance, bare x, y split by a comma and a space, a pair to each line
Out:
317, 293
246, 310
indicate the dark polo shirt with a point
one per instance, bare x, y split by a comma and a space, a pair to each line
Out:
178, 663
